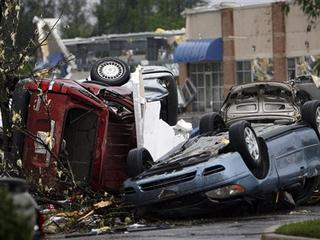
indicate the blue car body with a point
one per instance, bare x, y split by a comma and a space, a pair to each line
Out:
206, 162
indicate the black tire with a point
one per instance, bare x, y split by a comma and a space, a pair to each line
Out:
111, 71
255, 157
211, 122
138, 160
169, 105
310, 113
302, 97
20, 104
302, 195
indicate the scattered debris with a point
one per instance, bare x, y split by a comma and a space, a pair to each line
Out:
300, 212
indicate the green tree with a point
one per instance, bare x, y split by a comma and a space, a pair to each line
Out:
310, 7
75, 17
29, 9
114, 16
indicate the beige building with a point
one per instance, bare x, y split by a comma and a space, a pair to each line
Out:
231, 44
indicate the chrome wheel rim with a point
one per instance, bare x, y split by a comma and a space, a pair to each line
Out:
318, 118
252, 144
110, 70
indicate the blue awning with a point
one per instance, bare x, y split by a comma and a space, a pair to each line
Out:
199, 50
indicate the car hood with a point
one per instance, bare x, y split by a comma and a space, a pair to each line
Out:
201, 149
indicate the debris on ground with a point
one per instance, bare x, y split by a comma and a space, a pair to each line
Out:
315, 198
300, 212
94, 217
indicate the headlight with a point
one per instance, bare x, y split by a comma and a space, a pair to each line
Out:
225, 192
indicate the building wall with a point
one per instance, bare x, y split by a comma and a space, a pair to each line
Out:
260, 43
298, 38
279, 43
204, 25
253, 32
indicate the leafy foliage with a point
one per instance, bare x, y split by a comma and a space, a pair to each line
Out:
310, 7
125, 16
30, 9
75, 18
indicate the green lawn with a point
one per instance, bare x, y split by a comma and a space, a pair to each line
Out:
301, 229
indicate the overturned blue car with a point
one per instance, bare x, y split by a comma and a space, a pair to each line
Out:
265, 140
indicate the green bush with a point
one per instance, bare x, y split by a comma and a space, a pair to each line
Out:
12, 225
302, 229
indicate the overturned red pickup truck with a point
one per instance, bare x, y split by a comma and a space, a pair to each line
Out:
87, 126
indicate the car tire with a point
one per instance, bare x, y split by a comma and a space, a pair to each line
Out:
138, 160
111, 71
302, 97
251, 148
211, 122
303, 195
169, 105
310, 113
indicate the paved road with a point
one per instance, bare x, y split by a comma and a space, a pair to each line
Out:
250, 227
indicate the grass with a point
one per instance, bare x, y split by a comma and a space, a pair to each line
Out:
301, 229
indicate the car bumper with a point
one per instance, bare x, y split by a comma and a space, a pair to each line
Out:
191, 180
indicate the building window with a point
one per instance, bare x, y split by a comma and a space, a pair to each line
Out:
208, 80
298, 66
244, 74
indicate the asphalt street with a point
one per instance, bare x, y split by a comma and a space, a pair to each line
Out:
248, 227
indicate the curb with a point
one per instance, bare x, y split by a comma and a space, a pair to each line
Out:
270, 235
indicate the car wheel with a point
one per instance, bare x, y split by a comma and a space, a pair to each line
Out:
111, 71
303, 194
138, 160
211, 122
169, 105
311, 114
252, 149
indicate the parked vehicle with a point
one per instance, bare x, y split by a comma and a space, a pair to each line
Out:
307, 87
88, 125
25, 205
262, 144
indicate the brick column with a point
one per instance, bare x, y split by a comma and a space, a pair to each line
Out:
183, 73
279, 42
228, 49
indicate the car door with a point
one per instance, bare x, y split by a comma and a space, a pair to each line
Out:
288, 154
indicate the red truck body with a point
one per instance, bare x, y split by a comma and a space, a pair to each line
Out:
90, 127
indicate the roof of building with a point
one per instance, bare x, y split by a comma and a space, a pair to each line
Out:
216, 5
106, 38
